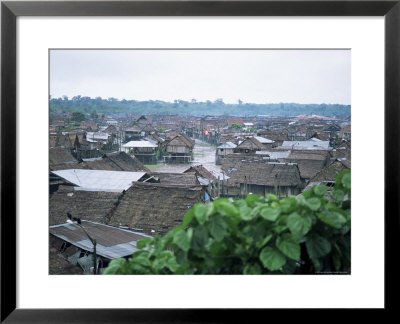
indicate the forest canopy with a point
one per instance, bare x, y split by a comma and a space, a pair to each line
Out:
98, 105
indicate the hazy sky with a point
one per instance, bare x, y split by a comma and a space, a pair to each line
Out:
256, 76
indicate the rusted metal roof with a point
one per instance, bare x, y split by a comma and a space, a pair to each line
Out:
112, 242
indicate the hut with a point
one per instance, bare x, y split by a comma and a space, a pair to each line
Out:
73, 244
179, 150
223, 150
155, 208
206, 178
249, 146
132, 133
266, 143
144, 151
281, 179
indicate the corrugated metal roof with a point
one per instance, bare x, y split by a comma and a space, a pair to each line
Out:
263, 140
227, 145
275, 154
139, 144
112, 242
307, 145
100, 179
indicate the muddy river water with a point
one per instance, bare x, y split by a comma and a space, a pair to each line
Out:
203, 153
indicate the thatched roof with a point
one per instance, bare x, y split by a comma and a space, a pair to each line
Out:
88, 205
265, 174
188, 139
155, 206
250, 143
121, 161
61, 158
201, 171
330, 172
175, 178
309, 162
118, 161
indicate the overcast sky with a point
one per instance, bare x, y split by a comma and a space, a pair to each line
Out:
254, 76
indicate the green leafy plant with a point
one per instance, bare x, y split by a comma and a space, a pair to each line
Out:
306, 234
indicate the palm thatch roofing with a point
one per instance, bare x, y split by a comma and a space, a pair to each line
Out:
188, 178
330, 172
61, 158
189, 140
111, 129
118, 161
201, 171
121, 161
250, 143
310, 162
155, 208
231, 161
88, 205
180, 140
265, 174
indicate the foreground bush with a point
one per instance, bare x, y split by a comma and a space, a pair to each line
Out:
257, 235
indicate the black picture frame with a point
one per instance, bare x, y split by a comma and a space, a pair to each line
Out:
10, 10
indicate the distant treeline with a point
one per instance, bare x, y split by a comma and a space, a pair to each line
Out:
99, 105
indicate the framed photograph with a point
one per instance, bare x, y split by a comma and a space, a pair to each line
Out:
170, 105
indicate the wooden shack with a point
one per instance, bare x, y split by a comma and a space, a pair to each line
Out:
281, 179
179, 150
249, 146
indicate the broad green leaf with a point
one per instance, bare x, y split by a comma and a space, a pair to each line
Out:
288, 246
336, 257
114, 266
346, 181
270, 214
332, 218
172, 264
264, 241
288, 204
200, 212
313, 203
299, 225
338, 195
272, 259
320, 190
252, 199
143, 243
187, 219
228, 209
181, 239
142, 260
317, 246
252, 269
272, 197
246, 213
217, 227
301, 200
200, 238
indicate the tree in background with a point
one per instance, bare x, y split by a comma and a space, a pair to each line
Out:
78, 116
235, 126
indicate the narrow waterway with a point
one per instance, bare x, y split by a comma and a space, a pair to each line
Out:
203, 153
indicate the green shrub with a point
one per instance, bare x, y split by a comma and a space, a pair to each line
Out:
306, 234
